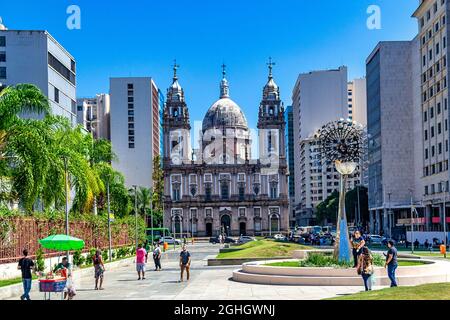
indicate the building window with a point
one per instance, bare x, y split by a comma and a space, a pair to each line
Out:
241, 212
2, 72
130, 86
61, 69
130, 106
2, 56
130, 99
131, 112
131, 139
208, 192
56, 95
425, 116
224, 190
241, 192
131, 145
2, 41
432, 132
273, 190
131, 119
257, 212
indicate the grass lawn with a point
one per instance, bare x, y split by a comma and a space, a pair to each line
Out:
433, 291
263, 249
431, 254
401, 263
8, 282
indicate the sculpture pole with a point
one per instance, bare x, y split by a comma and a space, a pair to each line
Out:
342, 250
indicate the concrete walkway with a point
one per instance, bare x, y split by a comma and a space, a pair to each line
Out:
205, 283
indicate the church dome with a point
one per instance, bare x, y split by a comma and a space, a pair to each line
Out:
224, 112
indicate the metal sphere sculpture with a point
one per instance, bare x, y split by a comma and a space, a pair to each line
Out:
341, 142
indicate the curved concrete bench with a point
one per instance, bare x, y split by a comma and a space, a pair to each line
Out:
257, 272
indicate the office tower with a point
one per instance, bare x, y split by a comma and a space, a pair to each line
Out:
135, 128
34, 56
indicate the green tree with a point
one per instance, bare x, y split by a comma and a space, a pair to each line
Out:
327, 209
351, 203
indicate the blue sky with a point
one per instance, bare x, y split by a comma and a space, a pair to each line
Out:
142, 37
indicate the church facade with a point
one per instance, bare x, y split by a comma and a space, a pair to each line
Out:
220, 188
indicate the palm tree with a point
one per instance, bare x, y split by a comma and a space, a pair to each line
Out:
17, 100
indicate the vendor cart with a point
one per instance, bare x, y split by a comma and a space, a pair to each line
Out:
48, 286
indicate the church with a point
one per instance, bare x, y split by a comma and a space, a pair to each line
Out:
219, 188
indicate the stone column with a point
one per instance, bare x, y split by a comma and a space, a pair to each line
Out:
377, 221
371, 221
385, 222
428, 218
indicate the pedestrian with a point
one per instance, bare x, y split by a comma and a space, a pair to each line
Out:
99, 269
391, 262
25, 265
357, 244
365, 267
141, 253
157, 257
65, 270
185, 263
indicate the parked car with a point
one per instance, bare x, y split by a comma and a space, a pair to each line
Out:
215, 240
280, 237
169, 240
376, 239
245, 239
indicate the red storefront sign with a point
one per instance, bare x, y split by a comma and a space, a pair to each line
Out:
438, 219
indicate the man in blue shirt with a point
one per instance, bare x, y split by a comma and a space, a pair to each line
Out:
391, 262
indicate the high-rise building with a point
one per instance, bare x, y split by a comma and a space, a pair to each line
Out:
392, 73
289, 119
93, 115
135, 128
357, 101
433, 50
34, 56
318, 98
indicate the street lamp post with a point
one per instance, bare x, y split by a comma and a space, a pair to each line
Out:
109, 222
390, 215
444, 189
66, 181
135, 217
151, 216
359, 222
412, 222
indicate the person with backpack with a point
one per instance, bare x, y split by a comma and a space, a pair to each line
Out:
157, 257
365, 267
25, 266
99, 269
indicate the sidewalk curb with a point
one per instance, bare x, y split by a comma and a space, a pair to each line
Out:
16, 290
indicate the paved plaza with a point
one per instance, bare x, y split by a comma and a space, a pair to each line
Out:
205, 283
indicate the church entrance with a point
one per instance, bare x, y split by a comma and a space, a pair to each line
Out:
225, 223
209, 229
242, 228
